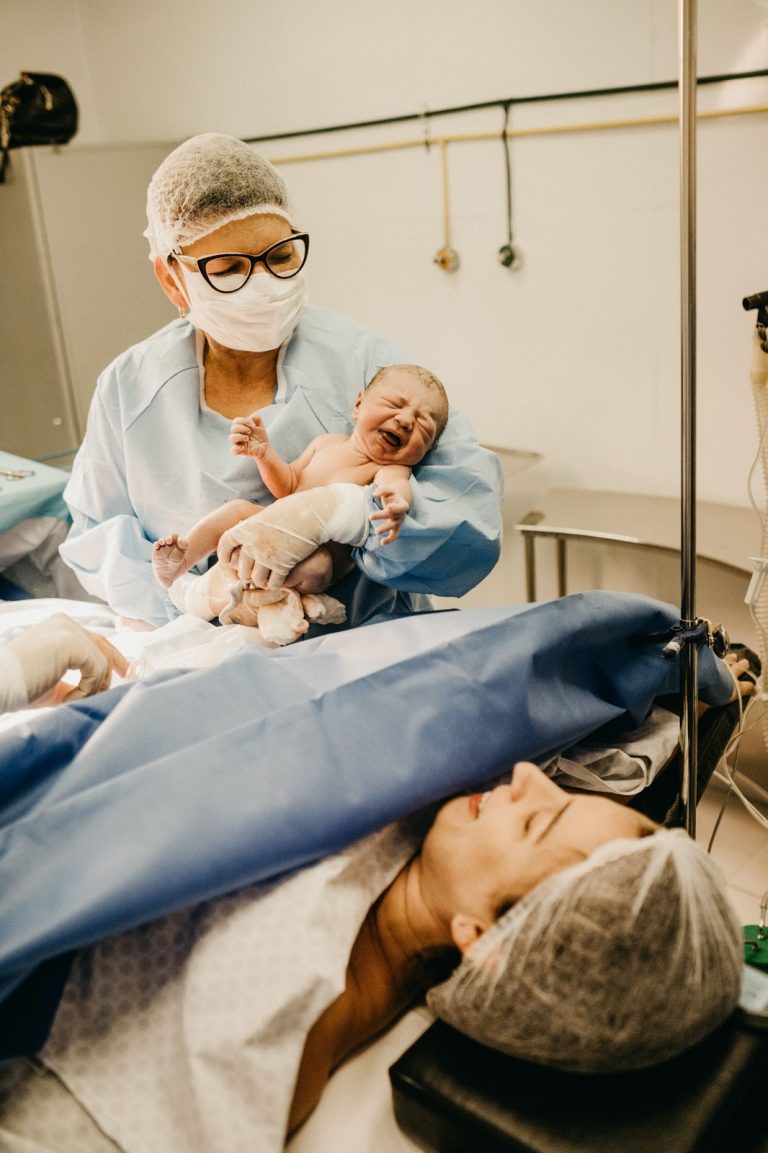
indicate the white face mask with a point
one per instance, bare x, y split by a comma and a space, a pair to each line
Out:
257, 318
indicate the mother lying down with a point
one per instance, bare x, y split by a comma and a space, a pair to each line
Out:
529, 913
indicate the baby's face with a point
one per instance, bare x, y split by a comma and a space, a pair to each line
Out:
397, 418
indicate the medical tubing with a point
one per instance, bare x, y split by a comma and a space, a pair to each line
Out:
759, 609
727, 776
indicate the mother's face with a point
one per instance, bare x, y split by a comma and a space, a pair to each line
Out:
484, 852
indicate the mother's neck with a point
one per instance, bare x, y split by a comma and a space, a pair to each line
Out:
237, 383
405, 923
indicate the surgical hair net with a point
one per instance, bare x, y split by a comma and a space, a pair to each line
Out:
619, 962
208, 181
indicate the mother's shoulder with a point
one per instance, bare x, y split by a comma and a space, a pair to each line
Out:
158, 357
327, 320
320, 328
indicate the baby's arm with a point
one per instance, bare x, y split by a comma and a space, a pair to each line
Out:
248, 437
393, 489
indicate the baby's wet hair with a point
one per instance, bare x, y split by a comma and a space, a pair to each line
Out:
428, 379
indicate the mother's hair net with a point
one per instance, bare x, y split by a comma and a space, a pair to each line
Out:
208, 181
619, 962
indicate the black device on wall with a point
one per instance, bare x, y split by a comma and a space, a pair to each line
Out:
38, 108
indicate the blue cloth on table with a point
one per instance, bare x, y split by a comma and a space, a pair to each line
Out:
31, 496
155, 796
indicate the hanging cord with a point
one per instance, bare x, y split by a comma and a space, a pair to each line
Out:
506, 253
754, 598
726, 774
426, 128
446, 257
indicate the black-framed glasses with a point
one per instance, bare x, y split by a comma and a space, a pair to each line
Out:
231, 271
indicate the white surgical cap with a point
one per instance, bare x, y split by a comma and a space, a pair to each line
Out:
208, 181
619, 962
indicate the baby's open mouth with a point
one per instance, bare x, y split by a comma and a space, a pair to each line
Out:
390, 438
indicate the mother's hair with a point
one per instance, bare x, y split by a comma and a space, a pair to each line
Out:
619, 962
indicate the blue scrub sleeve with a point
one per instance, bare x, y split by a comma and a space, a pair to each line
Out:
106, 547
112, 560
451, 538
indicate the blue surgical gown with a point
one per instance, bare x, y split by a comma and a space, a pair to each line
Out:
155, 459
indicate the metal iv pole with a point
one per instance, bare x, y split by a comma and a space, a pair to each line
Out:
689, 652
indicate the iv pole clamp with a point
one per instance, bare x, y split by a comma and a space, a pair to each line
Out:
699, 632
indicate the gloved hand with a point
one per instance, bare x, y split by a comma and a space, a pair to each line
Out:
36, 660
267, 546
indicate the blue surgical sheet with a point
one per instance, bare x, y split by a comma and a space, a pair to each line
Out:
158, 795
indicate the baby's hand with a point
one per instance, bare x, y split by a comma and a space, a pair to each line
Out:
394, 509
248, 436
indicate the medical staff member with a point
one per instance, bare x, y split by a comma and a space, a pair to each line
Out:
33, 663
226, 251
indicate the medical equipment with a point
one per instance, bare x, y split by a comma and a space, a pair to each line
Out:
454, 1095
756, 939
757, 594
753, 1003
756, 597
16, 473
508, 254
446, 257
31, 493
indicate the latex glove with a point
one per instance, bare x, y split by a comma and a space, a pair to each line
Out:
265, 548
317, 572
35, 661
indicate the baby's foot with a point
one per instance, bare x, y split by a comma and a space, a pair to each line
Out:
169, 558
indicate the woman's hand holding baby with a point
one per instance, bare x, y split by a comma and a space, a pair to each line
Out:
266, 547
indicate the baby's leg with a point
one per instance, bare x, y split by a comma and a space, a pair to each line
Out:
203, 596
173, 555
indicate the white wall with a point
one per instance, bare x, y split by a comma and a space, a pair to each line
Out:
574, 355
47, 36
